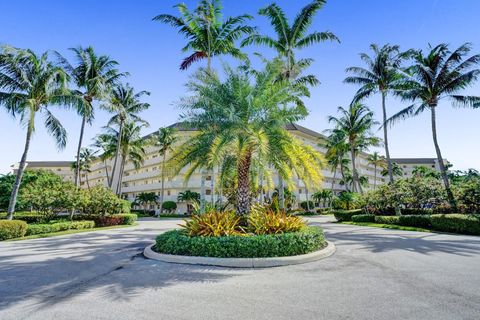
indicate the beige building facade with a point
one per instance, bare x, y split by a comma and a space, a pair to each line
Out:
147, 178
408, 165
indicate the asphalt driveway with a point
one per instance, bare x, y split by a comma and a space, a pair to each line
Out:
375, 274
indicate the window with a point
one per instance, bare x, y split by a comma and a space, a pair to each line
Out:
168, 192
209, 178
59, 169
208, 192
300, 191
154, 169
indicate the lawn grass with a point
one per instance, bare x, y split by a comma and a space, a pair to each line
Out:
386, 226
67, 232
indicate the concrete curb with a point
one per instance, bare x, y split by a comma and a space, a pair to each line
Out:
241, 262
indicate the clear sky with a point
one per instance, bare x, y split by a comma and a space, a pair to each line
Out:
150, 51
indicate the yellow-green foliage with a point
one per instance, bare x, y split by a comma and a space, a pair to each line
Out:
214, 224
265, 220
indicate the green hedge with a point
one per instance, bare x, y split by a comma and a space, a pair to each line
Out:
456, 223
419, 221
363, 218
346, 215
28, 217
274, 245
10, 229
109, 220
58, 226
387, 219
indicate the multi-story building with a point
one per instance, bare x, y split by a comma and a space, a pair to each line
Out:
408, 165
62, 168
147, 178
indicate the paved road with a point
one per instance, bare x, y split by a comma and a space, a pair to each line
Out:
375, 274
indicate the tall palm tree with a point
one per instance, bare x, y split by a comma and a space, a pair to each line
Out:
396, 170
289, 39
380, 75
87, 156
337, 148
244, 117
106, 150
208, 35
435, 75
93, 75
29, 85
377, 161
132, 147
144, 198
355, 123
164, 139
126, 105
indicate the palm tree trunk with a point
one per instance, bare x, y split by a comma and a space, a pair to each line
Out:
243, 191
202, 192
212, 187
385, 138
354, 169
281, 192
306, 195
86, 179
342, 172
375, 177
162, 190
106, 172
443, 171
21, 169
117, 154
77, 167
333, 180
120, 178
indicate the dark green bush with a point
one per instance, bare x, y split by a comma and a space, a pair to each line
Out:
273, 245
456, 223
58, 226
108, 220
387, 219
346, 215
169, 206
28, 217
304, 206
128, 218
363, 218
10, 229
419, 221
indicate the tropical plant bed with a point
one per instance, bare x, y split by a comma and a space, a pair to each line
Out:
244, 251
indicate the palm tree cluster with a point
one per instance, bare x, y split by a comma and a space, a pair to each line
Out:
33, 85
423, 78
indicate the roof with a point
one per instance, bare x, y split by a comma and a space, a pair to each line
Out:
415, 160
49, 163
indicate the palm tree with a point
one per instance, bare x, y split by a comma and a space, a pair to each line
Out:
164, 140
144, 198
380, 76
290, 38
208, 35
189, 197
355, 124
29, 85
436, 75
93, 75
323, 196
377, 160
87, 156
396, 170
132, 147
106, 150
126, 104
244, 117
337, 148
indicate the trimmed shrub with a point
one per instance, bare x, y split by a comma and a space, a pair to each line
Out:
126, 206
58, 226
257, 246
169, 206
420, 221
10, 229
346, 215
304, 206
108, 220
128, 218
387, 219
456, 223
27, 217
363, 218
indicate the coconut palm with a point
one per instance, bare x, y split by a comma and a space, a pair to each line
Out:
435, 75
244, 117
93, 75
396, 170
189, 197
164, 139
377, 161
106, 150
126, 105
380, 75
355, 123
29, 86
323, 196
132, 147
208, 35
87, 156
337, 148
145, 198
288, 39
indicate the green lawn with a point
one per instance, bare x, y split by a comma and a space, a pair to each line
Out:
66, 232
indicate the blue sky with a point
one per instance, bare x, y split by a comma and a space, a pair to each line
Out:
151, 53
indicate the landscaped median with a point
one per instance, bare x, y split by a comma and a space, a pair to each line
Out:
264, 238
452, 223
26, 225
